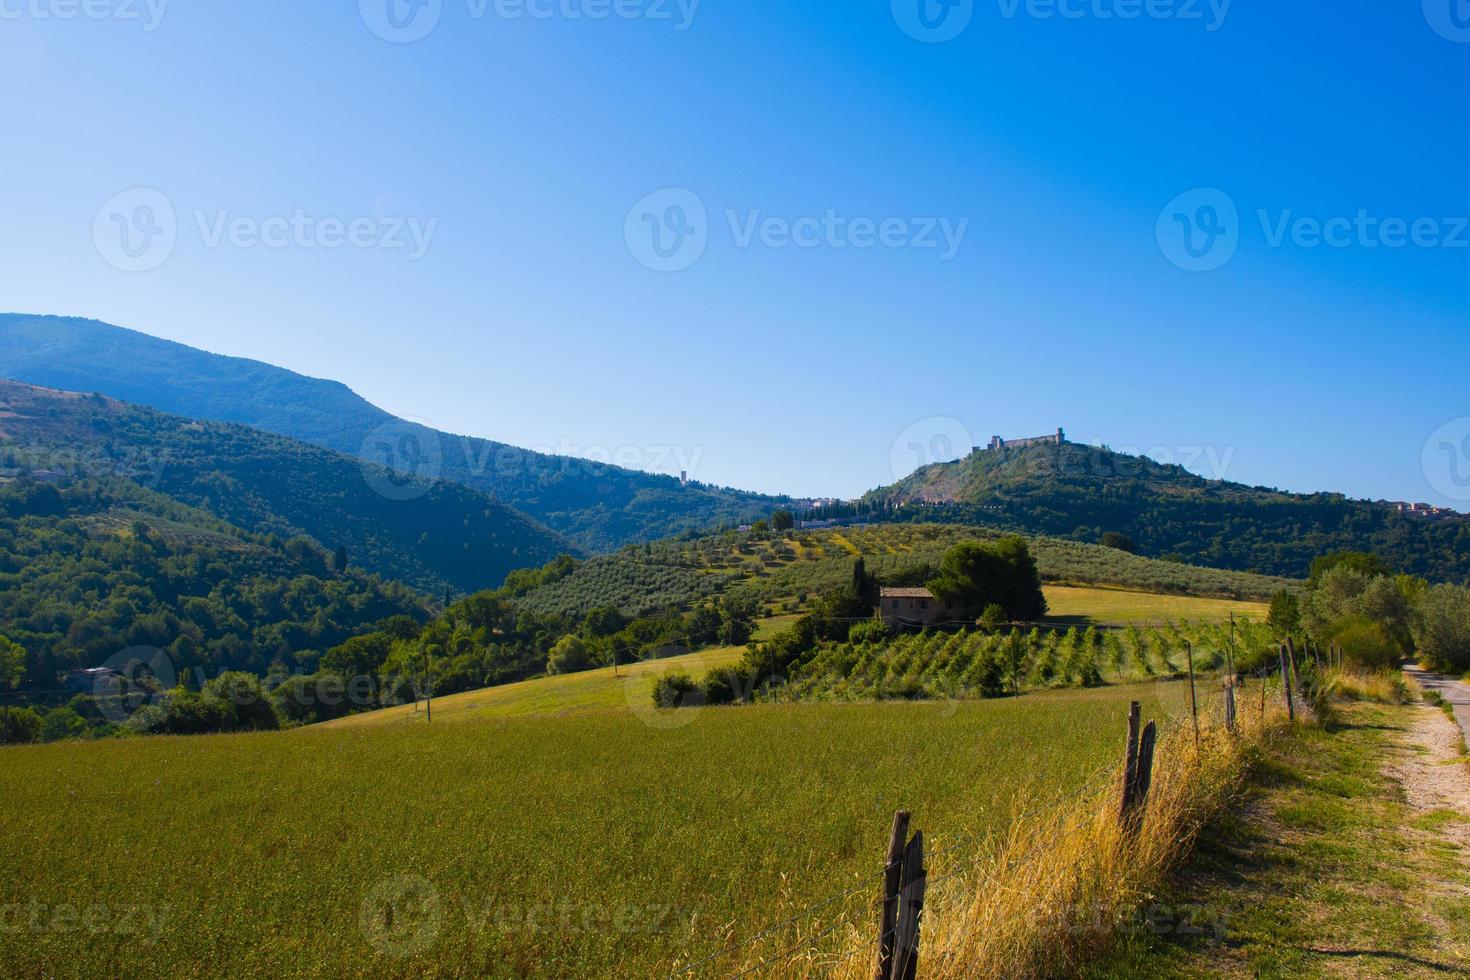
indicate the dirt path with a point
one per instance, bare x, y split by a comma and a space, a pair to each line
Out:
1348, 858
1457, 693
1435, 779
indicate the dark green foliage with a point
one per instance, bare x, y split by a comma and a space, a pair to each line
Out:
976, 574
1361, 562
676, 690
1112, 539
232, 702
266, 484
1442, 628
1076, 490
1286, 613
112, 566
308, 699
725, 685
19, 726
782, 520
569, 656
599, 506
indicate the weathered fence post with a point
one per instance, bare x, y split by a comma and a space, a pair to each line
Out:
1130, 758
1146, 765
1286, 684
1193, 698
1296, 679
888, 907
1230, 705
1137, 770
910, 908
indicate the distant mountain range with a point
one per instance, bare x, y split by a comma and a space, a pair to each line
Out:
1079, 491
598, 507
428, 535
450, 532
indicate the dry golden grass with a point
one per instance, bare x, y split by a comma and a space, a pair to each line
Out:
1056, 887
1377, 686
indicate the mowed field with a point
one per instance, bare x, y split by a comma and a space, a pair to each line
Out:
1120, 606
602, 843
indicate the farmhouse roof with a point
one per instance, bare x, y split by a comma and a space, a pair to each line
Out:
907, 594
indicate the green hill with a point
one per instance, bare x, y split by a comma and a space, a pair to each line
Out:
92, 567
778, 571
431, 536
598, 506
1079, 491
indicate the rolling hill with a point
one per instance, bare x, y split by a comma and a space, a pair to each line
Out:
429, 535
1079, 491
94, 566
598, 506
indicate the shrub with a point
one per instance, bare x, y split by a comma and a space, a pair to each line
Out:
1365, 643
568, 656
676, 690
62, 723
19, 726
724, 685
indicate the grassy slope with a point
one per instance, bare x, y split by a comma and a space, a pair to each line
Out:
590, 690
1325, 871
601, 844
632, 685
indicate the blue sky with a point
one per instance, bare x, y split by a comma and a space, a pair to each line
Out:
1055, 149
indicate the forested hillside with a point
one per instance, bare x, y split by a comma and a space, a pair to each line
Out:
430, 536
94, 567
598, 506
1082, 492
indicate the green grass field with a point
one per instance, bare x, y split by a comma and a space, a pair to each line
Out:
603, 842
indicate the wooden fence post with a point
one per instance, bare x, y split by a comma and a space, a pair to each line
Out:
888, 907
1230, 705
1286, 684
1146, 765
910, 908
1130, 759
1296, 680
1193, 698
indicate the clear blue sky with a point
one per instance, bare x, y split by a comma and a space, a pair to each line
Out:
529, 319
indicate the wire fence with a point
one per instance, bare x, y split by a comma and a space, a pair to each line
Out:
974, 855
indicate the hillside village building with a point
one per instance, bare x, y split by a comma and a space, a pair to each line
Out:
916, 607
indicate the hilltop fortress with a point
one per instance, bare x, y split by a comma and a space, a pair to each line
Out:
1055, 439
